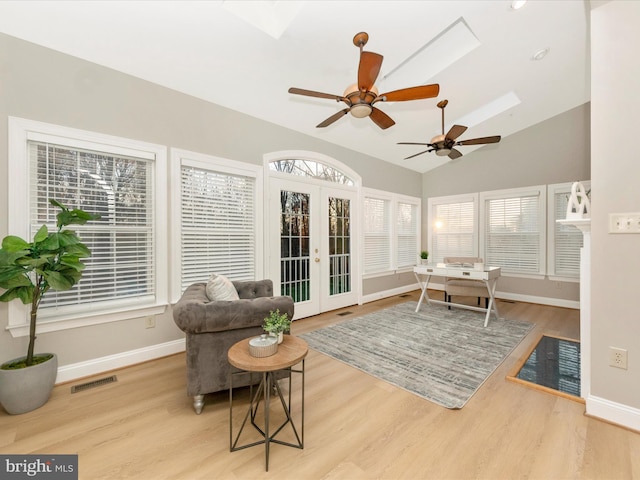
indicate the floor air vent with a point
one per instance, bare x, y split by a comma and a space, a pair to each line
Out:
93, 384
405, 295
342, 314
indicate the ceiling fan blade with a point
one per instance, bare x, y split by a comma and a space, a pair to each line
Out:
411, 93
479, 141
368, 70
311, 93
454, 132
332, 118
454, 154
413, 143
415, 155
381, 119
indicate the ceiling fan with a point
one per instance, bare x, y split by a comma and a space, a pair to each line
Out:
443, 144
362, 96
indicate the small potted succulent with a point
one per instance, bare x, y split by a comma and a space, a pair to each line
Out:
424, 257
276, 324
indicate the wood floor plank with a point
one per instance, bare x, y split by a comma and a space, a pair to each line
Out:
356, 426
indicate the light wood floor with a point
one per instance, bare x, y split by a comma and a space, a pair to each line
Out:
356, 427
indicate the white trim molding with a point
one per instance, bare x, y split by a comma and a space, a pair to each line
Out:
613, 412
96, 366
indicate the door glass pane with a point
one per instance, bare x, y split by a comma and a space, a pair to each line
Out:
294, 245
339, 246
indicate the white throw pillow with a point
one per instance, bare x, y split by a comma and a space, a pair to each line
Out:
220, 287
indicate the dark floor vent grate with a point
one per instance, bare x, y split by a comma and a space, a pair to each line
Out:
342, 314
405, 295
93, 384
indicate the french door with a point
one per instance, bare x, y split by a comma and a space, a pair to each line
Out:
311, 244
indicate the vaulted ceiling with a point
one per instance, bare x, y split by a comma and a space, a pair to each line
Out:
245, 55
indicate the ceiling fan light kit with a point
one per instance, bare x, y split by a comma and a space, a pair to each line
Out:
361, 96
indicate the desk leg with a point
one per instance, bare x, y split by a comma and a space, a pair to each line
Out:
423, 286
491, 288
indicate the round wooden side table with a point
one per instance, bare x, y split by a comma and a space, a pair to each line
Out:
291, 351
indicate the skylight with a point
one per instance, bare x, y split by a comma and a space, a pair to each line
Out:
456, 40
489, 110
271, 16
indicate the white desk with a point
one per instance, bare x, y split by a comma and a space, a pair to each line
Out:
489, 275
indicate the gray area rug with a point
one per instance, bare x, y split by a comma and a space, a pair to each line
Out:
439, 354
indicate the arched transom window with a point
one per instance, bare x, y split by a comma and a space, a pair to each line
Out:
311, 169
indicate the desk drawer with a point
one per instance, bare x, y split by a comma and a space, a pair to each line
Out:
466, 273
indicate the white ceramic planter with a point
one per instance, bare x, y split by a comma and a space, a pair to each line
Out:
26, 389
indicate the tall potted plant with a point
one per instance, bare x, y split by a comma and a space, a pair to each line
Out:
53, 260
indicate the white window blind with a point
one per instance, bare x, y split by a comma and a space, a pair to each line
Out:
565, 241
377, 235
121, 189
514, 231
217, 225
406, 234
453, 227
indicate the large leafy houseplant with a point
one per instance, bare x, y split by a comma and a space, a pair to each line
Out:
53, 260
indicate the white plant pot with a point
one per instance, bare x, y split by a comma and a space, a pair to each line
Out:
26, 389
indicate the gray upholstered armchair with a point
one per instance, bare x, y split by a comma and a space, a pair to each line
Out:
212, 327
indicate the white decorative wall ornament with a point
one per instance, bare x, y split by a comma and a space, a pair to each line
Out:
579, 205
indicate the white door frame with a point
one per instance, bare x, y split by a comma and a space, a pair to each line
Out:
274, 180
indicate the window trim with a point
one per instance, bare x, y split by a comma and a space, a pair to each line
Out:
180, 157
394, 198
552, 190
19, 132
540, 191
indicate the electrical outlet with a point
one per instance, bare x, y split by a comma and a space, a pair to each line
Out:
624, 223
618, 357
150, 322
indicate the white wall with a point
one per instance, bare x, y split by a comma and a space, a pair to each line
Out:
615, 168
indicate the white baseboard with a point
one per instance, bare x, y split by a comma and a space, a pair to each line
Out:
554, 302
613, 412
95, 366
516, 297
387, 293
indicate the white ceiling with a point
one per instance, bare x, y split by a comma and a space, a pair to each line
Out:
202, 49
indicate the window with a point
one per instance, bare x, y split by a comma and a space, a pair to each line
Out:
513, 230
391, 231
453, 227
406, 234
216, 223
118, 178
565, 241
311, 169
377, 234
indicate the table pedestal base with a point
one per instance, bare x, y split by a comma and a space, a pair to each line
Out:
263, 394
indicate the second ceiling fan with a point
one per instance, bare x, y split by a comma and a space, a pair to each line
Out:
362, 96
444, 145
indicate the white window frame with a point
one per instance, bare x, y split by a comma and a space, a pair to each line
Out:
179, 158
552, 226
394, 199
433, 203
20, 132
540, 192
